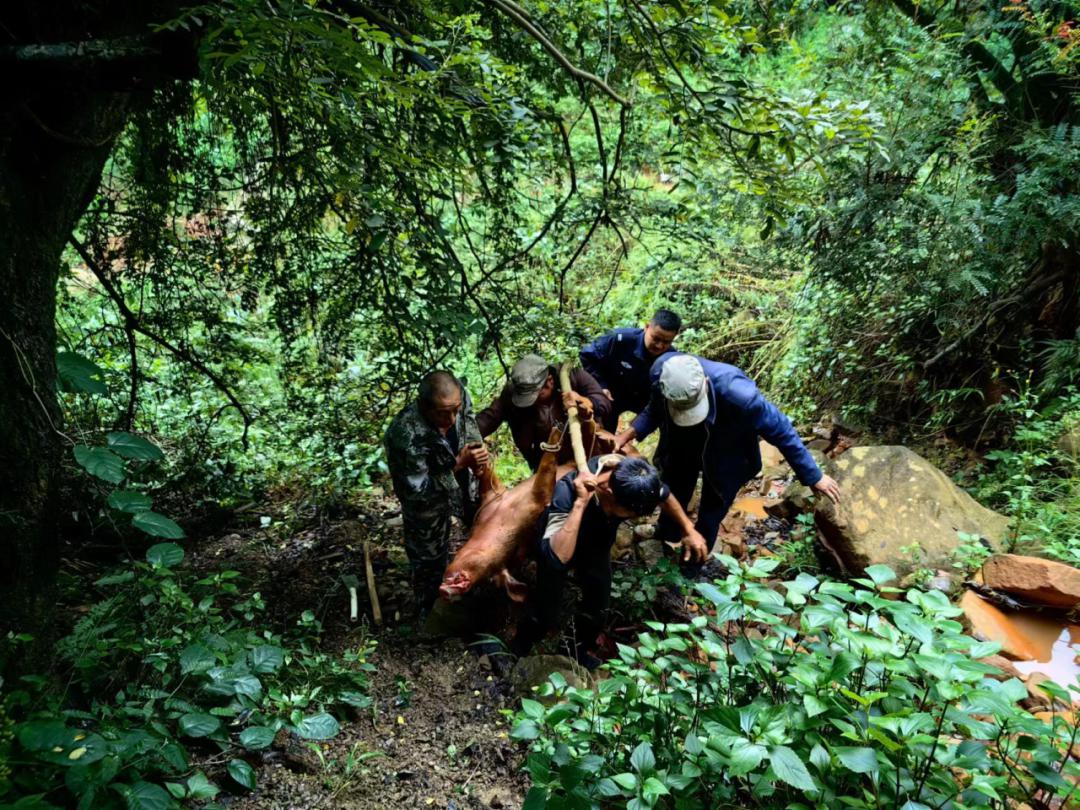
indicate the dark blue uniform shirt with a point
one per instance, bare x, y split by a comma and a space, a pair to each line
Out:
738, 415
619, 362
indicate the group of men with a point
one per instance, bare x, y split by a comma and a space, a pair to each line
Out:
709, 414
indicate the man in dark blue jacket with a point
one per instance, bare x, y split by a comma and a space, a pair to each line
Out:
620, 361
710, 416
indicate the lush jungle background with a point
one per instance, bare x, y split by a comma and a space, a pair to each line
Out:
233, 236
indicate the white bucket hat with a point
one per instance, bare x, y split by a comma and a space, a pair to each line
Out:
683, 384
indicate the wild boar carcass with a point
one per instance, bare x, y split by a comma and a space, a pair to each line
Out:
505, 525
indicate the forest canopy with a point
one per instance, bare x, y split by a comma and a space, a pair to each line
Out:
234, 237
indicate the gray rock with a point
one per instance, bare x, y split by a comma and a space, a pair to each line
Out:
893, 499
1068, 443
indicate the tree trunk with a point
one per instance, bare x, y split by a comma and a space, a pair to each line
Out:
53, 146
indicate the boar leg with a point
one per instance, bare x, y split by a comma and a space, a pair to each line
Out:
543, 480
516, 590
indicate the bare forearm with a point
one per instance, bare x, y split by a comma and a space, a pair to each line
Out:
671, 507
564, 543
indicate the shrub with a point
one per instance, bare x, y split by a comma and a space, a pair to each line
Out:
804, 694
166, 663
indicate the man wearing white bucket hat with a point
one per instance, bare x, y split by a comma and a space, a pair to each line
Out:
710, 416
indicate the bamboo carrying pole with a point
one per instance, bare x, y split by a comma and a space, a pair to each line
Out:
576, 441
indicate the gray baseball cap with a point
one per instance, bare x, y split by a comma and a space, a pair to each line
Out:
527, 377
683, 384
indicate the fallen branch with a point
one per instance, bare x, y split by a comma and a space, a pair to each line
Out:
373, 594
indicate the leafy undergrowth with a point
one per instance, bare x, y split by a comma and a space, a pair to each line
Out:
173, 688
808, 693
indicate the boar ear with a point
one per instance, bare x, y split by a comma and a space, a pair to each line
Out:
517, 591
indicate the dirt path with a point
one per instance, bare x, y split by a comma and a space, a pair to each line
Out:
436, 734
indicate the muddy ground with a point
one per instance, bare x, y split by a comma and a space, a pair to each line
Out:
436, 734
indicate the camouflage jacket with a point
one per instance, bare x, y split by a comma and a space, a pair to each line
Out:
422, 460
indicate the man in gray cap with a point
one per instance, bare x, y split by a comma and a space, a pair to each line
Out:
710, 416
532, 404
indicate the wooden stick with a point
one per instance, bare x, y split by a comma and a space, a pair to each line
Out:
580, 459
372, 593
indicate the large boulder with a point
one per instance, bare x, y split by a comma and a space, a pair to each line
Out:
893, 499
1033, 579
1068, 443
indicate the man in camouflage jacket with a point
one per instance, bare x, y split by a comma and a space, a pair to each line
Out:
432, 445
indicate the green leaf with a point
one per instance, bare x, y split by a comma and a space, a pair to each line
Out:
627, 781
54, 742
196, 658
880, 574
164, 555
100, 462
525, 730
242, 773
654, 787
145, 796
127, 500
642, 758
536, 799
533, 709
199, 787
157, 525
79, 375
267, 658
198, 725
860, 760
320, 726
745, 757
257, 738
129, 445
789, 768
814, 705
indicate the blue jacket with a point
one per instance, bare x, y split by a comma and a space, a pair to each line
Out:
619, 362
738, 414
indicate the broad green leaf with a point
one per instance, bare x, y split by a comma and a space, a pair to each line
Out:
198, 725
157, 525
164, 555
525, 730
79, 375
654, 787
242, 773
100, 462
880, 574
145, 796
788, 767
51, 740
199, 787
131, 446
257, 738
535, 799
127, 500
642, 758
627, 781
745, 757
860, 760
196, 658
267, 658
320, 726
814, 705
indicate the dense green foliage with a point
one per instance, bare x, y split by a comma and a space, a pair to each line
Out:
165, 661
813, 694
872, 207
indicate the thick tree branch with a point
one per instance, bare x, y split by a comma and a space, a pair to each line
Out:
523, 21
132, 322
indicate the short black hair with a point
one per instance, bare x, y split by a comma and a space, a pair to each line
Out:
667, 320
436, 384
636, 485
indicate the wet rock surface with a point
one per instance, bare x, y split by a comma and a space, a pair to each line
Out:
1033, 579
893, 499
